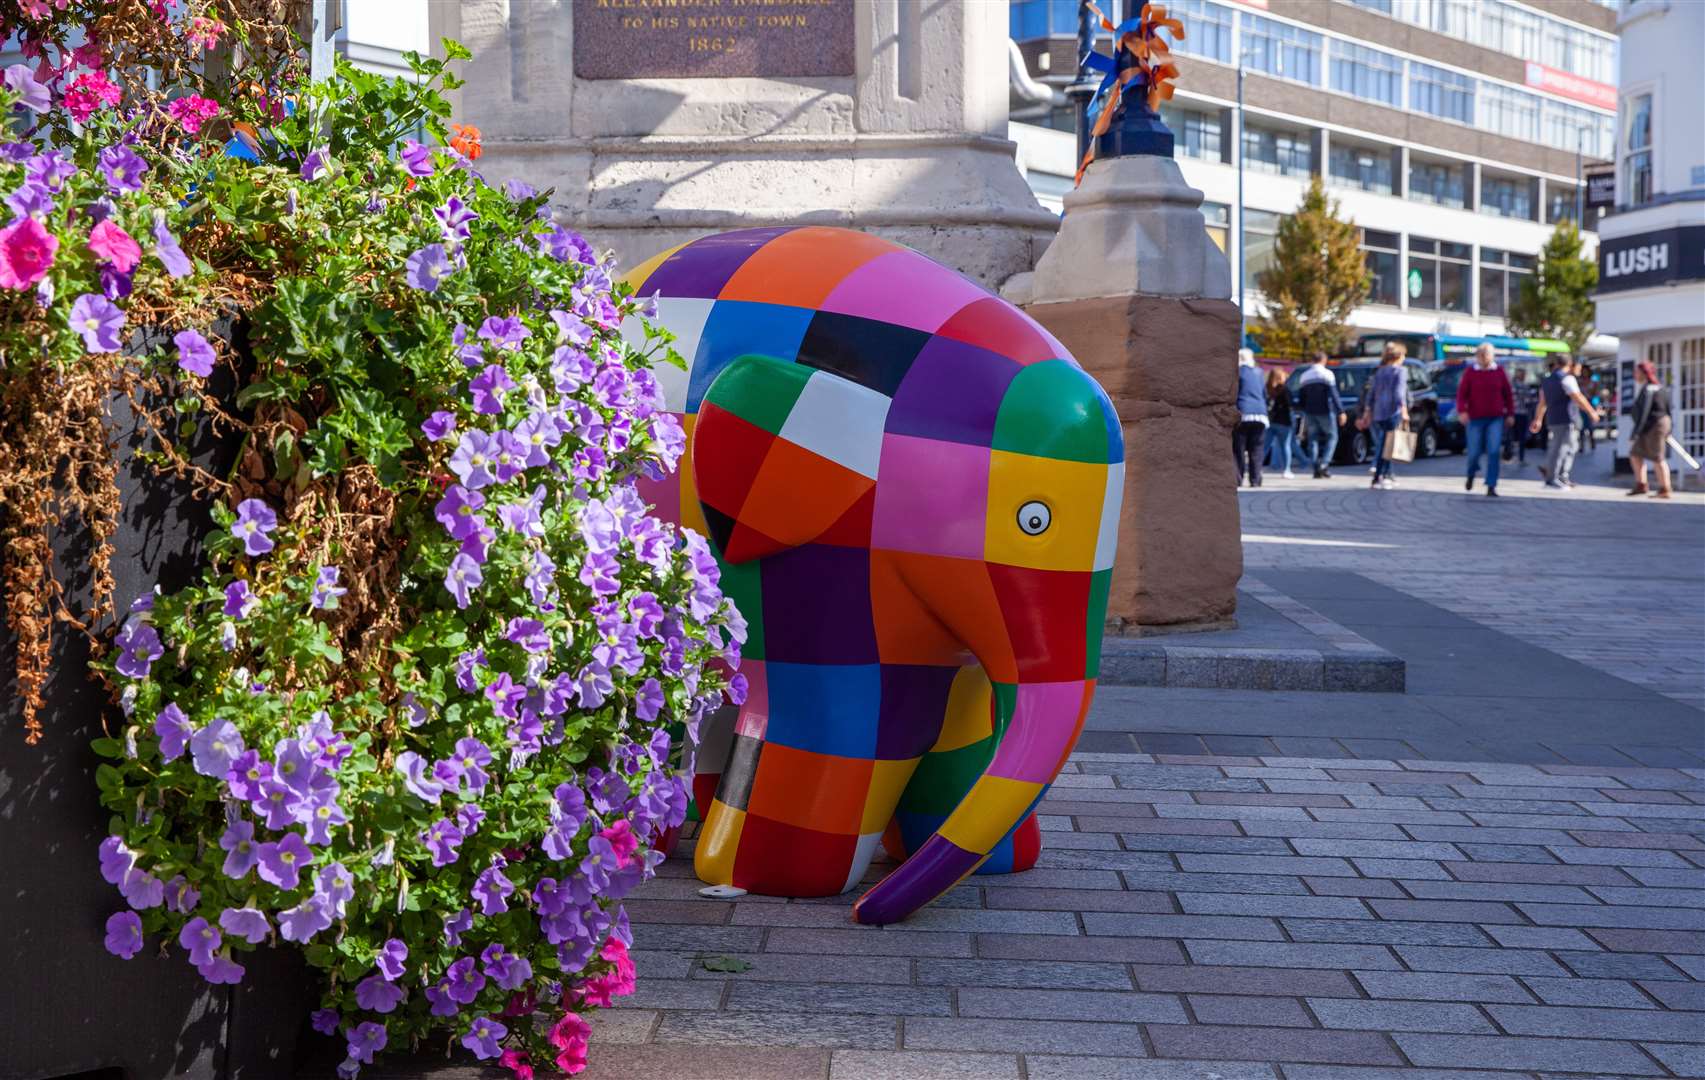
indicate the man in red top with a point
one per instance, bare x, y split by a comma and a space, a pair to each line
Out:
1487, 405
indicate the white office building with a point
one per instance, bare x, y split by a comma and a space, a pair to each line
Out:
1455, 133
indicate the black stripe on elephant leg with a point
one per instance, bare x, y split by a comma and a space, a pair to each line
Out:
735, 791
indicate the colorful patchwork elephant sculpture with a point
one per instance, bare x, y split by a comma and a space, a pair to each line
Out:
914, 494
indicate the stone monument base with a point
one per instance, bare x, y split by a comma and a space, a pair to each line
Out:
1170, 365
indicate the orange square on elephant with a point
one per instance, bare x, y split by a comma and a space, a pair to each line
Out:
800, 268
797, 495
810, 790
932, 609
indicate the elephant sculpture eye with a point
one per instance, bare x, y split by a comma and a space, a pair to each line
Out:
1034, 518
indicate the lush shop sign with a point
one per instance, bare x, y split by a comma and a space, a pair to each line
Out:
1652, 258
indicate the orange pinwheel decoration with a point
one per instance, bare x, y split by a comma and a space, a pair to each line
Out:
1152, 64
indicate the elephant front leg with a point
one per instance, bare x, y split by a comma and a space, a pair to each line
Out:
808, 786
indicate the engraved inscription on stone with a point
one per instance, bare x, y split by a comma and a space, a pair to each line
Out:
641, 39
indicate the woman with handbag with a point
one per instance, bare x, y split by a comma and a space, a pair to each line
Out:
1651, 418
1487, 404
1385, 409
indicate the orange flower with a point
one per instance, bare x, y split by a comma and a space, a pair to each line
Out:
466, 141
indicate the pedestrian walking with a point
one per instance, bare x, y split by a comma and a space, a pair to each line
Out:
1279, 423
1526, 397
1487, 404
1322, 413
1651, 418
1561, 411
1250, 433
1385, 408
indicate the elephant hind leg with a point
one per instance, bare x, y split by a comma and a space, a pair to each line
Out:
946, 774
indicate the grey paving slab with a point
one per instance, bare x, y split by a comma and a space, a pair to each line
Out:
1235, 1042
1382, 932
1023, 973
1262, 981
1479, 961
839, 998
1250, 1010
919, 1065
820, 941
778, 1029
1612, 993
1291, 955
1400, 1016
1229, 927
1683, 1060
1588, 1022
678, 1062
1125, 1006
1314, 907
1038, 1036
1568, 1055
1442, 986
1094, 950
1051, 1067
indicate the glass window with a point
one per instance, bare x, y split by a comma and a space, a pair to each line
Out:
1570, 128
1507, 111
1195, 134
1362, 167
1439, 92
1288, 153
1438, 278
1438, 183
1380, 250
1509, 197
1207, 26
1217, 217
1367, 73
1381, 6
1511, 29
1027, 19
1560, 203
1501, 275
1281, 49
1637, 150
1260, 228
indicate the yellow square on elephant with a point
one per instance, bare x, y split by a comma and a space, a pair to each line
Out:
1043, 513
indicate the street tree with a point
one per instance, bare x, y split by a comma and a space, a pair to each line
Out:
1316, 279
1556, 301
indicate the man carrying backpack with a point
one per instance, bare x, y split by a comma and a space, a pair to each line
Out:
1322, 413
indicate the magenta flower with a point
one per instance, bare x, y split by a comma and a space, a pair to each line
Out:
124, 934
378, 995
247, 923
201, 938
192, 111
462, 577
26, 254
166, 248
281, 861
392, 956
482, 1038
255, 519
239, 842
326, 589
174, 730
98, 321
89, 93
195, 355
366, 1040
425, 269
439, 426
123, 168
215, 747
115, 245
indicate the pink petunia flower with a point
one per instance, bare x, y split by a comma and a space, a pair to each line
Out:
26, 253
192, 111
113, 244
89, 93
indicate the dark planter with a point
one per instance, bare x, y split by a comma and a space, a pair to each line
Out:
68, 1006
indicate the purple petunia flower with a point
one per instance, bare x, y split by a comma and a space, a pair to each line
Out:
142, 890
336, 888
375, 993
530, 634
439, 426
215, 747
255, 519
466, 982
455, 218
314, 165
31, 200
98, 321
456, 925
483, 1036
489, 387
538, 433
181, 896
443, 839
504, 968
281, 861
391, 958
505, 695
471, 461
600, 571
201, 938
320, 812
415, 779
123, 168
518, 190
174, 731
116, 860
366, 1040
462, 577
32, 95
508, 456
566, 245
426, 268
523, 516
221, 970
506, 332
324, 1021
326, 589
593, 685
466, 663
648, 702
468, 817
457, 511
471, 353
416, 158
50, 169
540, 578
247, 923
302, 922
239, 842
492, 889
124, 934
166, 248
195, 355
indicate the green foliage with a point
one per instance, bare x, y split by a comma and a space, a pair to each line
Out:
1317, 278
1556, 300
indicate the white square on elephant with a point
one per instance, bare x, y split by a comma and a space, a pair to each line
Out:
1107, 539
839, 420
685, 316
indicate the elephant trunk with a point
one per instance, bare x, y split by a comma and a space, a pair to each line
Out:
1035, 727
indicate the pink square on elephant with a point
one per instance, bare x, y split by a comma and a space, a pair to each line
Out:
930, 497
1045, 722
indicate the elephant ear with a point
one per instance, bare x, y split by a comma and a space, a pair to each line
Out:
784, 455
